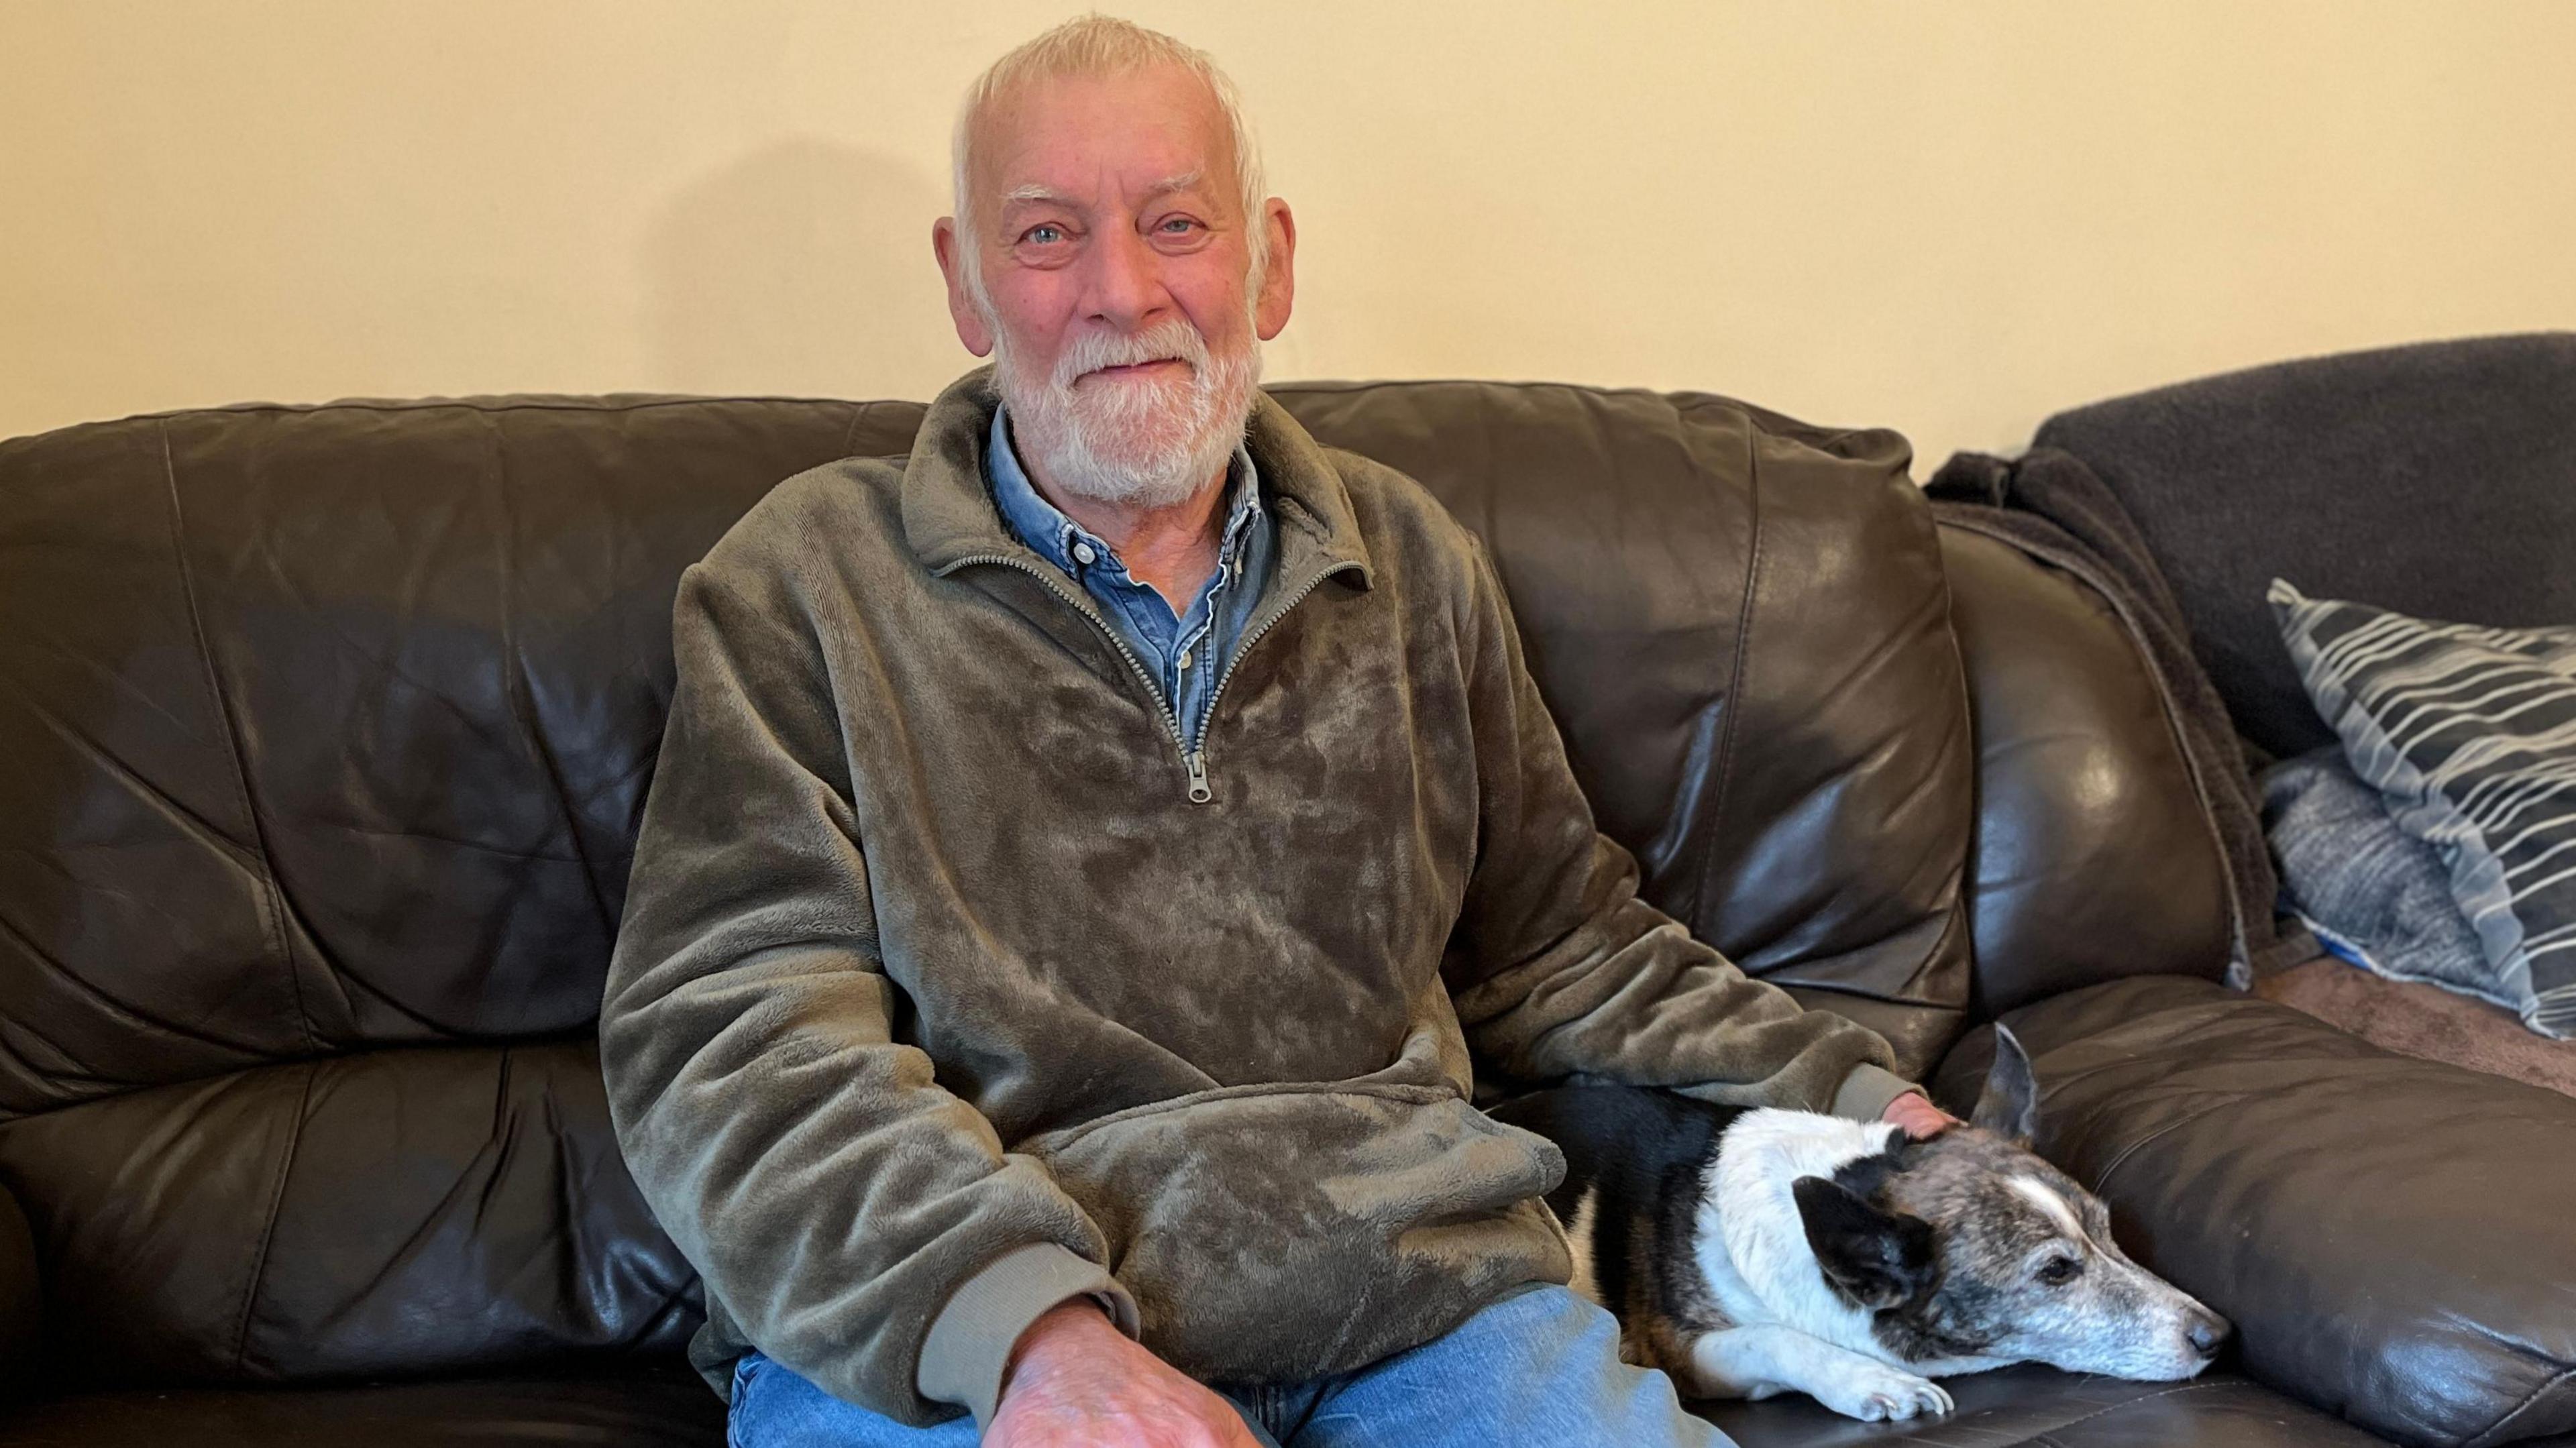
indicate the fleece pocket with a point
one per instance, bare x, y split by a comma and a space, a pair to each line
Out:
1279, 1231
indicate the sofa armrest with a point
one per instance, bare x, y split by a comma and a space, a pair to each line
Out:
21, 1300
2395, 1239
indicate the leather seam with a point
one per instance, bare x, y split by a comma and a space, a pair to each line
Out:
2159, 1134
1962, 924
2530, 1400
2049, 1435
850, 434
272, 900
1845, 988
517, 691
1734, 701
276, 1208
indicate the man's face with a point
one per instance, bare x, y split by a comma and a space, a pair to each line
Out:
1117, 279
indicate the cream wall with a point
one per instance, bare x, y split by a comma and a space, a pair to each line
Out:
1950, 218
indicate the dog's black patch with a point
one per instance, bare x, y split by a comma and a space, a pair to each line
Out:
1643, 1153
1933, 1320
1866, 1177
1871, 1258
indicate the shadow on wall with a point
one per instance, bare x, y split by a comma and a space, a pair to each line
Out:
766, 276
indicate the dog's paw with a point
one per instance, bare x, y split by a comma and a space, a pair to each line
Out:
1882, 1395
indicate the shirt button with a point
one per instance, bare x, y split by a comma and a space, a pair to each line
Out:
1185, 658
1082, 553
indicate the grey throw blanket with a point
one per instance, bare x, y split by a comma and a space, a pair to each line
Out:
2374, 894
2049, 505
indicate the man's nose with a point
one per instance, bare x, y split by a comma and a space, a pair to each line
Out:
1126, 281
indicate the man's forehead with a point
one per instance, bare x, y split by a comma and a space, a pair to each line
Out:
1088, 139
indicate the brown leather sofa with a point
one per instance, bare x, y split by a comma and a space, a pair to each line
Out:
327, 730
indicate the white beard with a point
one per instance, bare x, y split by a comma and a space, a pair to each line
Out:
1141, 442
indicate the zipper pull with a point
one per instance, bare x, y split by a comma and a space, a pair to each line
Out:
1197, 764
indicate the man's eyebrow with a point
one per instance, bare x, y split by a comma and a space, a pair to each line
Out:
1035, 192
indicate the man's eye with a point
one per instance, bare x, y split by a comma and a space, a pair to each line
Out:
1043, 234
1183, 222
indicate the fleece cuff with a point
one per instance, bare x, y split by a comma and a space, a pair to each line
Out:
1866, 1092
970, 1341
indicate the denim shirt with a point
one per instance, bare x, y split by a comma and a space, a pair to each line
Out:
1186, 653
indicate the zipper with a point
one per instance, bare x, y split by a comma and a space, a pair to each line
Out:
1171, 718
1193, 761
1242, 646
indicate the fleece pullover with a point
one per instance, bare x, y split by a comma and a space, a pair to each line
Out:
952, 984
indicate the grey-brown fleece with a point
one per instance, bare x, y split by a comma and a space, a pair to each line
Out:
939, 1000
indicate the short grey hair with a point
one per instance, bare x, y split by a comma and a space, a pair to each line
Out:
1099, 45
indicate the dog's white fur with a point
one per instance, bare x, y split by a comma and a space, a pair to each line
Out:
2044, 1197
1587, 1281
1790, 1332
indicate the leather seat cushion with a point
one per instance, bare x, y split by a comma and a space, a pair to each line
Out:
423, 1210
2044, 1407
664, 1406
2388, 1234
2036, 1406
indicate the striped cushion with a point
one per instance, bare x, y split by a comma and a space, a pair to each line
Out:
2469, 734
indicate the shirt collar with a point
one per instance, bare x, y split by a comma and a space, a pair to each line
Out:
1044, 527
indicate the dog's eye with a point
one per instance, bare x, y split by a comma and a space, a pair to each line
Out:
2058, 1271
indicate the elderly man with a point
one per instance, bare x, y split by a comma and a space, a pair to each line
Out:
1086, 856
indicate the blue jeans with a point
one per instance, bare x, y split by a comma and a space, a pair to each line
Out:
1539, 1369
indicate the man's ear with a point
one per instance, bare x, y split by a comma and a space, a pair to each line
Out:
962, 311
2009, 1106
1874, 1259
1279, 274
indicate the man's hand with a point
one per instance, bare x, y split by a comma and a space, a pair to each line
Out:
1076, 1381
1921, 1119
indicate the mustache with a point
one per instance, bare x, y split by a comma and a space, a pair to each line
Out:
1169, 340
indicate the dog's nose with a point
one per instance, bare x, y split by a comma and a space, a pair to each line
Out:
2206, 1332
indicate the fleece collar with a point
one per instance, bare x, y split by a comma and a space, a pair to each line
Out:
949, 515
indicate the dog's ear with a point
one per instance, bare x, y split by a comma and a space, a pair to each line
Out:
1874, 1259
2009, 1106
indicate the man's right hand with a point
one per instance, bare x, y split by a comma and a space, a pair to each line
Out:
1075, 1381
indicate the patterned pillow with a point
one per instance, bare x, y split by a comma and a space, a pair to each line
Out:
2470, 736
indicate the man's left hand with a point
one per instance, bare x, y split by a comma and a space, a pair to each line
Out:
1921, 1119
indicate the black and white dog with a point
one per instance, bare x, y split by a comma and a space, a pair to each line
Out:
1750, 1253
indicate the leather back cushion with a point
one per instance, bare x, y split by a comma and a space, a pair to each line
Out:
2438, 480
2093, 859
1740, 625
330, 727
